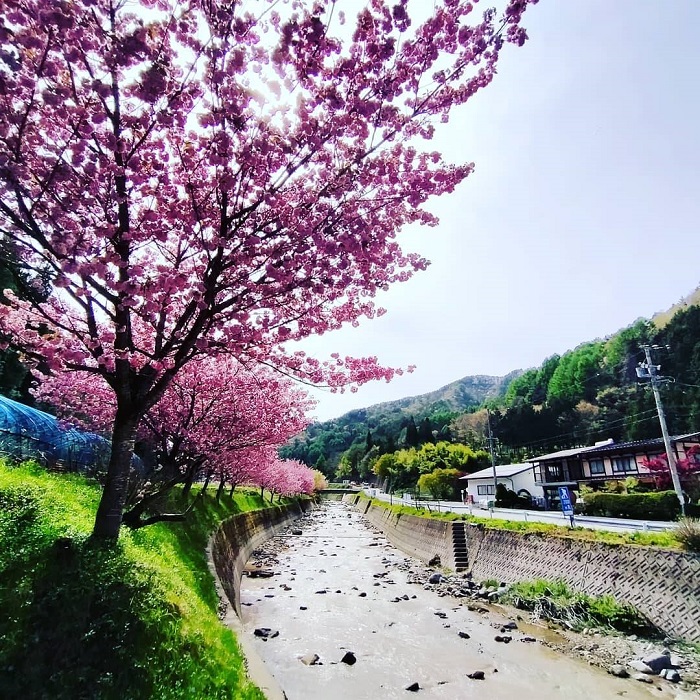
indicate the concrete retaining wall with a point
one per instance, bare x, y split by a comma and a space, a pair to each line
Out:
240, 535
663, 585
421, 538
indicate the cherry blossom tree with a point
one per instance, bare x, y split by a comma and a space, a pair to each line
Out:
211, 176
282, 477
213, 419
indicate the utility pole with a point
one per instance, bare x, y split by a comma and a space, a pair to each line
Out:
649, 371
493, 459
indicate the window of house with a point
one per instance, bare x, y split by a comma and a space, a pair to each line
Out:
597, 466
555, 472
485, 490
624, 464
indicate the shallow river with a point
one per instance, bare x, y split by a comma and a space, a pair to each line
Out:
396, 644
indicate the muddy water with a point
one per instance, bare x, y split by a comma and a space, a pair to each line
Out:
396, 643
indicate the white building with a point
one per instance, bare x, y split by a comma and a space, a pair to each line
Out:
479, 487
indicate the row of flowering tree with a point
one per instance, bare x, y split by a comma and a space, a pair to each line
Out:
216, 420
198, 177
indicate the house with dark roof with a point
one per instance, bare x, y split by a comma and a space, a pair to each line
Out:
604, 461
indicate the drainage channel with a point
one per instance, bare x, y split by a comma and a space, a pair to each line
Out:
339, 587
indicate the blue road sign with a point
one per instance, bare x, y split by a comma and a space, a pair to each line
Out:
567, 507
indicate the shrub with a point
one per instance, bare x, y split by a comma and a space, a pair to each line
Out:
505, 498
661, 505
692, 510
555, 601
687, 532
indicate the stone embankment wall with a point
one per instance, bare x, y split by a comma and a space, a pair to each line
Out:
421, 538
240, 535
663, 585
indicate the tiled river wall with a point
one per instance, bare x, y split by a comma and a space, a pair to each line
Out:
663, 585
240, 535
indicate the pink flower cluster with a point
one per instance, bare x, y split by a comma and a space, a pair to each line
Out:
216, 414
198, 178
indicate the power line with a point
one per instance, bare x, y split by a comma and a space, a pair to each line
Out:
606, 427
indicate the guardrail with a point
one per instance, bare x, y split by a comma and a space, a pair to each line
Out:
552, 517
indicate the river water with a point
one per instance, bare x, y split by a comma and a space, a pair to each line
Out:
399, 632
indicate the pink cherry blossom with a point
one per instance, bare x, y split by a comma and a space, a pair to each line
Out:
220, 177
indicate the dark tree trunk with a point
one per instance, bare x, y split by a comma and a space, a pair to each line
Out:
189, 480
206, 482
220, 490
110, 511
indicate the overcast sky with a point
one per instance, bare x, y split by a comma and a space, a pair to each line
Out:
581, 217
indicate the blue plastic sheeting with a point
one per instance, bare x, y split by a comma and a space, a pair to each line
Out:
26, 433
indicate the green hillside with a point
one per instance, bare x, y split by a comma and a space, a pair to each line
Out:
457, 396
126, 620
587, 394
661, 318
388, 426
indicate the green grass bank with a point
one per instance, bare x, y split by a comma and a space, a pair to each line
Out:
133, 619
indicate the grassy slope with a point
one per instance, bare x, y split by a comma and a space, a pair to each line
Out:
136, 619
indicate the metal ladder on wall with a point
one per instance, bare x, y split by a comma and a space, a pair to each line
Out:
459, 546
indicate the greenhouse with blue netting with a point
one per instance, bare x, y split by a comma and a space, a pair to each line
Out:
27, 433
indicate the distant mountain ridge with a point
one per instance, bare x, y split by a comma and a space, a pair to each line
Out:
473, 390
589, 391
386, 424
460, 395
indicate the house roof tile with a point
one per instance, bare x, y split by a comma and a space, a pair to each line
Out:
611, 447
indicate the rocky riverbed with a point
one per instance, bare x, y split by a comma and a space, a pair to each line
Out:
336, 611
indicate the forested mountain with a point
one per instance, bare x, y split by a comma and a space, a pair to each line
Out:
457, 396
588, 394
388, 426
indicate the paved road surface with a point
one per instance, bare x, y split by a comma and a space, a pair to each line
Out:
553, 517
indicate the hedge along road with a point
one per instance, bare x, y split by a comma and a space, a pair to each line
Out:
340, 587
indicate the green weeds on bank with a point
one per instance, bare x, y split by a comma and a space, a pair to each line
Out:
554, 601
664, 540
132, 619
687, 532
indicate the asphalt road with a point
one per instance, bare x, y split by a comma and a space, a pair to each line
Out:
552, 517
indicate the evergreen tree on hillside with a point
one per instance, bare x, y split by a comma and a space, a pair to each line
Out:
412, 438
15, 378
680, 360
425, 431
